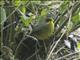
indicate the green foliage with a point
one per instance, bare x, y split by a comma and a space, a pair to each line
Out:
2, 2
18, 2
78, 45
44, 12
26, 22
23, 9
2, 20
64, 6
76, 18
2, 15
38, 9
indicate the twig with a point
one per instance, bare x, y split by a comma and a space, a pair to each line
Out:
23, 39
77, 26
8, 26
76, 5
10, 14
48, 57
67, 55
58, 18
59, 49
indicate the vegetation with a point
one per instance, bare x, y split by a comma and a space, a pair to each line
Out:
18, 19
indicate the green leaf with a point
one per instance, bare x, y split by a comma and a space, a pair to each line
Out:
76, 19
23, 9
78, 45
2, 15
44, 12
64, 6
26, 22
42, 16
16, 3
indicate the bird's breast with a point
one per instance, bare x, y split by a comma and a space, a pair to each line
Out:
46, 31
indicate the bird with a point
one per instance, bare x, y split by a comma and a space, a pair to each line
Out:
44, 29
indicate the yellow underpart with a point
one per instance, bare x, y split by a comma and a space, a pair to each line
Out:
45, 32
